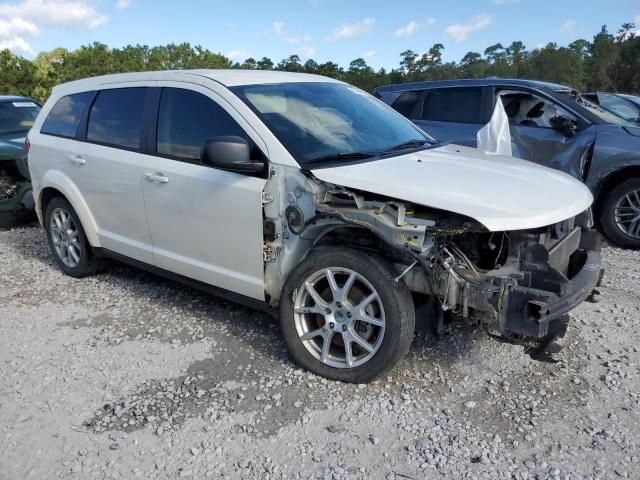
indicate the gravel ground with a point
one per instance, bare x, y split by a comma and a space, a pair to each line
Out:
125, 375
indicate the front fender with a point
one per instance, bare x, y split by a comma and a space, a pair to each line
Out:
615, 150
59, 181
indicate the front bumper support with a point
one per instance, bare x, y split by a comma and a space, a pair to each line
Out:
529, 311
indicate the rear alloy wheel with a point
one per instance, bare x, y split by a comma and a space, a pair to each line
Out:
345, 317
67, 239
64, 237
621, 214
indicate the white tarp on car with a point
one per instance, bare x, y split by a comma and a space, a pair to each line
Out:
495, 136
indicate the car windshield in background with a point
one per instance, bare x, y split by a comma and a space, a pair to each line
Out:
17, 116
602, 113
330, 121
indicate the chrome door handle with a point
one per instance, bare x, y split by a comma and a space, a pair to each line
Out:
156, 177
77, 160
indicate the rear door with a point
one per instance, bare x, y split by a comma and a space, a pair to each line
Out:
97, 142
451, 114
206, 223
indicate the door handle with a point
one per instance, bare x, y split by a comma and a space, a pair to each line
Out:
156, 177
77, 160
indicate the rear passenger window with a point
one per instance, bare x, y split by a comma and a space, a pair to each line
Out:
406, 103
64, 118
116, 117
457, 104
187, 119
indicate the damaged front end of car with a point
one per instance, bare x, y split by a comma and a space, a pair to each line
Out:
513, 282
16, 196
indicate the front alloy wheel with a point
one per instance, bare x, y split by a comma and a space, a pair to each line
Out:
339, 317
620, 214
344, 316
627, 213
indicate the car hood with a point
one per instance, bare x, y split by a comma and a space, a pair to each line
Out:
12, 146
502, 193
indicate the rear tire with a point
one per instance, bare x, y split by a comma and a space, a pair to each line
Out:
67, 240
343, 315
620, 214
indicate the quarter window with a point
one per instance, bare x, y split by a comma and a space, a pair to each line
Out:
65, 116
187, 119
457, 104
406, 103
116, 117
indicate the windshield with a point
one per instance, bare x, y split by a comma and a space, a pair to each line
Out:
325, 121
17, 116
602, 113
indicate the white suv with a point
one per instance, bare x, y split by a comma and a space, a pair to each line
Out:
304, 193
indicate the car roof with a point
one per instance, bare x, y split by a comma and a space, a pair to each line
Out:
12, 98
226, 77
474, 82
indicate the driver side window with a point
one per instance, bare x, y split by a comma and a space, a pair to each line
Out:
528, 109
187, 119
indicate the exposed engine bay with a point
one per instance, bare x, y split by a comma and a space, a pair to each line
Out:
515, 282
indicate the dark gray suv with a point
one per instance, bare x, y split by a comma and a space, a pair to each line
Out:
548, 126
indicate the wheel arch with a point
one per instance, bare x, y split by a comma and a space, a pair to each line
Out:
56, 184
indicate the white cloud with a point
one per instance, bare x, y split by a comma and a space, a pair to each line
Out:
122, 4
26, 18
431, 21
350, 30
238, 54
16, 27
460, 31
568, 27
306, 38
306, 52
55, 13
277, 28
16, 45
408, 30
369, 54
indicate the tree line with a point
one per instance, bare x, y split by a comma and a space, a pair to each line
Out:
608, 62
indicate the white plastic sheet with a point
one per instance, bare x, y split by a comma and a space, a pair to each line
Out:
495, 136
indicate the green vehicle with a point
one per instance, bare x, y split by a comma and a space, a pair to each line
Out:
16, 198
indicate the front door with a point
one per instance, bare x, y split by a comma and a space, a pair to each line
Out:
205, 223
533, 138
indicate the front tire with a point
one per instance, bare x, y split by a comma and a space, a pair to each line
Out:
620, 215
343, 315
67, 240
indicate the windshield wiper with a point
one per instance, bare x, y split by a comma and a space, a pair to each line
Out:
343, 156
410, 144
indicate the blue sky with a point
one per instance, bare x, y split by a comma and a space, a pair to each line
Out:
337, 30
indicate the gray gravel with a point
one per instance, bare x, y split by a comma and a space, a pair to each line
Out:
124, 375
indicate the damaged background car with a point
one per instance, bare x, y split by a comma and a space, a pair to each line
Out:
540, 122
16, 198
304, 195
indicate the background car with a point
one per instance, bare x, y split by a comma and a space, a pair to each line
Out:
627, 107
16, 198
548, 126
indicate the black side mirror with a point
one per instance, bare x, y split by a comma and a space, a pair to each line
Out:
229, 153
564, 124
